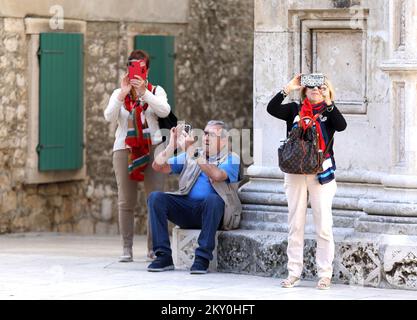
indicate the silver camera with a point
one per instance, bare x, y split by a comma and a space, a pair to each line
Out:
312, 80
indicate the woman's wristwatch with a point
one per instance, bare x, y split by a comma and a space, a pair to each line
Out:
283, 92
330, 107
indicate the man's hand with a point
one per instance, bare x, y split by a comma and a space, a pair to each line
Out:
160, 164
173, 138
185, 141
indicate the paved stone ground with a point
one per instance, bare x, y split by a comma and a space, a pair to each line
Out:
58, 266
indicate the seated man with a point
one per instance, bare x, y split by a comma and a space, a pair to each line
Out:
207, 198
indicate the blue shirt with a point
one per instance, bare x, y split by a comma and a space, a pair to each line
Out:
202, 187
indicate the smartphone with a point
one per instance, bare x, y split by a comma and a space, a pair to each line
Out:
187, 128
137, 68
312, 80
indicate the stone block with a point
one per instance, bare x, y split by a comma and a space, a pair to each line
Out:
48, 189
386, 225
84, 227
8, 201
19, 224
67, 189
66, 227
271, 258
236, 253
56, 201
266, 13
14, 25
184, 243
34, 202
106, 209
358, 263
18, 176
261, 253
39, 222
4, 223
4, 180
400, 266
105, 228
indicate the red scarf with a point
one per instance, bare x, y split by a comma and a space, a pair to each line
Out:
138, 142
307, 110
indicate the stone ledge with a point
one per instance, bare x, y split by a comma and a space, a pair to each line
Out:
364, 259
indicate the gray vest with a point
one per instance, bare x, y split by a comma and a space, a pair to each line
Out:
227, 191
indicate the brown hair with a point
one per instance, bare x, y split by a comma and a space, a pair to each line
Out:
328, 84
139, 55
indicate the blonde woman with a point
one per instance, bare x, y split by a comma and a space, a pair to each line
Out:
321, 188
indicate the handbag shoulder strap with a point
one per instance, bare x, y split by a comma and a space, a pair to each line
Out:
326, 151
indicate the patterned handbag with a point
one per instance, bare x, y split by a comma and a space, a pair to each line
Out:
300, 153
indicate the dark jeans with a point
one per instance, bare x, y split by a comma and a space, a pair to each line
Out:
187, 213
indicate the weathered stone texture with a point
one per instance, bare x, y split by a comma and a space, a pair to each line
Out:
184, 244
215, 63
13, 127
400, 266
383, 262
213, 80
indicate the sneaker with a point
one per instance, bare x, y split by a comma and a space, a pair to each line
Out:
127, 255
163, 262
200, 265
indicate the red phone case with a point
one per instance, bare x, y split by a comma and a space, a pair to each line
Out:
137, 68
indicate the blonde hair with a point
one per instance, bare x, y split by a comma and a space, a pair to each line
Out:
328, 84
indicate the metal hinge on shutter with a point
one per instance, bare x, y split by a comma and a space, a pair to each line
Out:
39, 147
41, 52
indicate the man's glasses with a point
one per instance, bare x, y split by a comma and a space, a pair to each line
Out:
211, 134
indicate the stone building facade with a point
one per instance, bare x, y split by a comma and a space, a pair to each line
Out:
368, 48
213, 79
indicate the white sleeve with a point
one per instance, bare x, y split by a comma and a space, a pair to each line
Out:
158, 102
111, 113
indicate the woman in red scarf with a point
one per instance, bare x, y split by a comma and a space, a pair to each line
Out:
136, 104
320, 188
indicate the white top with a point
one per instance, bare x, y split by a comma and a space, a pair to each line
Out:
158, 107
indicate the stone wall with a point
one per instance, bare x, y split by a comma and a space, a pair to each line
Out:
215, 77
368, 49
213, 80
13, 128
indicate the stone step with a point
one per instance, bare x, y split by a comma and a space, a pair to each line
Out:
365, 260
263, 198
264, 226
264, 216
253, 217
259, 207
280, 199
283, 227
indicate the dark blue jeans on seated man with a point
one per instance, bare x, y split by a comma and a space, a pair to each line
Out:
187, 213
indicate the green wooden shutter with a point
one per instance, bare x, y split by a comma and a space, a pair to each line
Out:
61, 102
162, 54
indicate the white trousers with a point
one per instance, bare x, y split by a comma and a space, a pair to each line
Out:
321, 198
